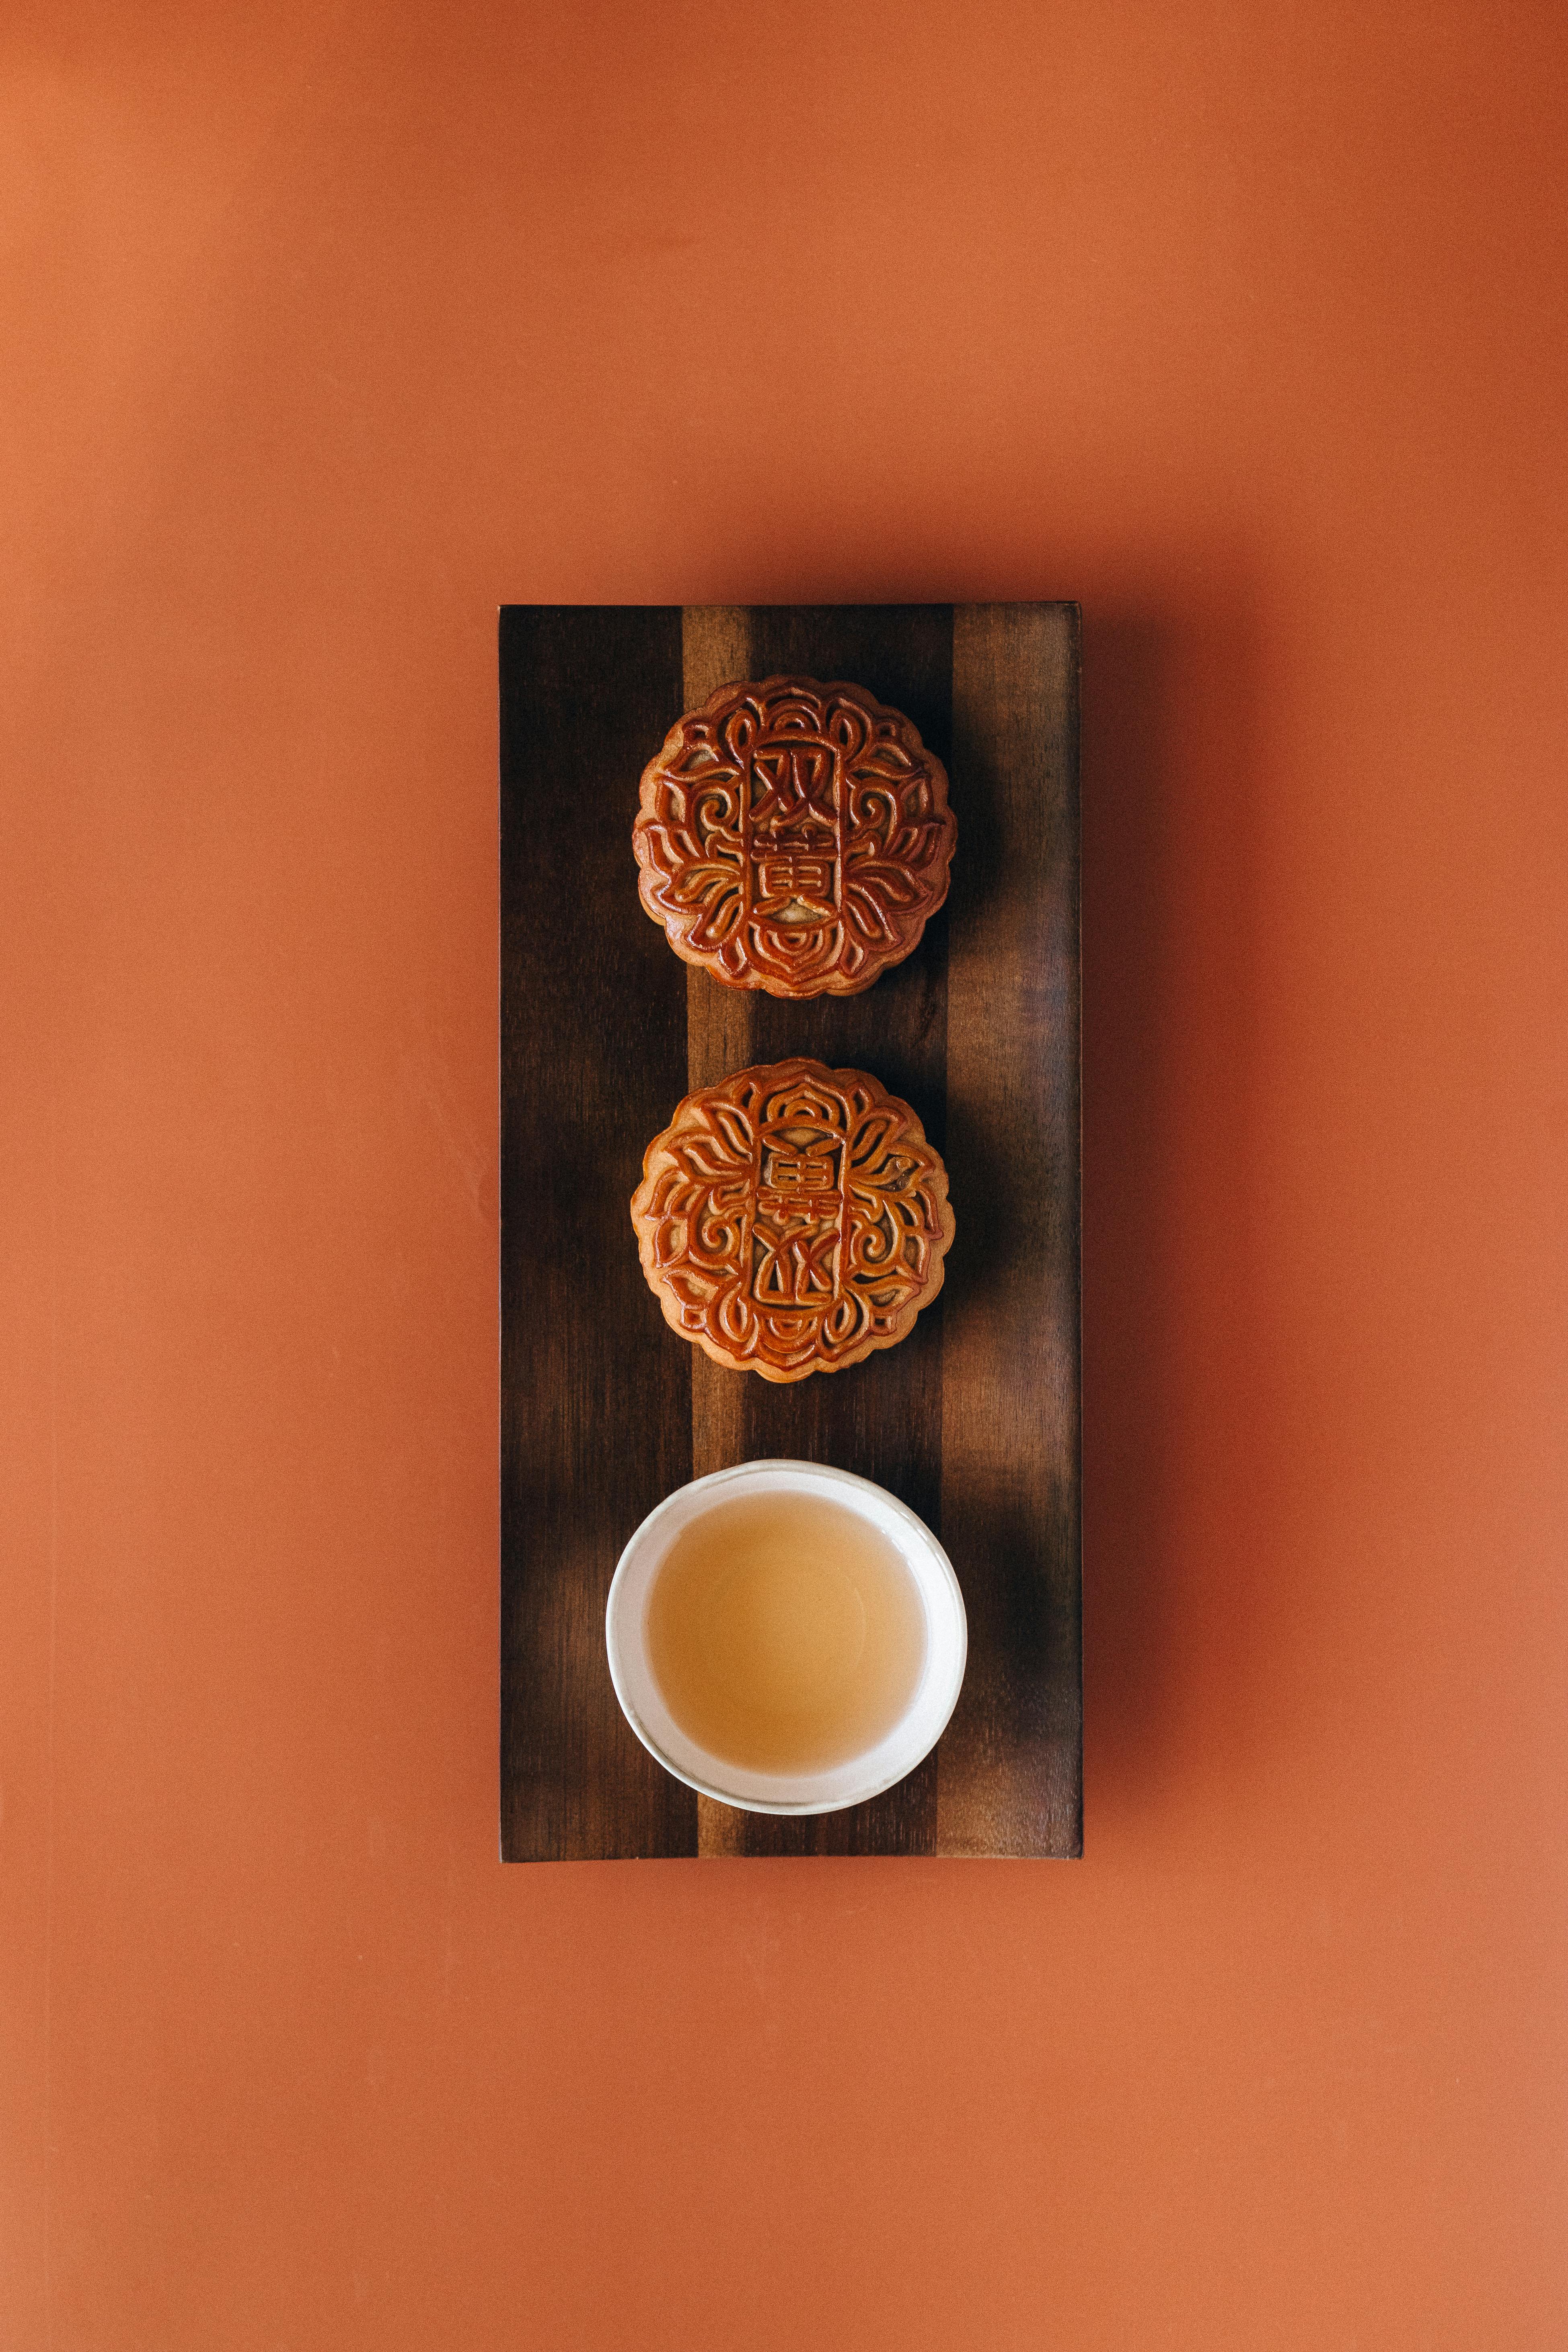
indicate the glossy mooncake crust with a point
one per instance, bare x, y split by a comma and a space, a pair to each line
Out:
793, 837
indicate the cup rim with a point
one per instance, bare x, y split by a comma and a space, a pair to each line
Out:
836, 1787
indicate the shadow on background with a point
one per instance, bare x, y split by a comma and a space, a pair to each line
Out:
1171, 1353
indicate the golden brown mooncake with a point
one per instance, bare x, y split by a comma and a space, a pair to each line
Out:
792, 1219
793, 837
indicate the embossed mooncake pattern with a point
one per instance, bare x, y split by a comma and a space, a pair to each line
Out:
793, 837
793, 1219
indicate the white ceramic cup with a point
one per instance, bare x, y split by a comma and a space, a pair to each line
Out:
877, 1768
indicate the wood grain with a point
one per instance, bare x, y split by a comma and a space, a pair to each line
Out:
596, 1394
1011, 1778
973, 1419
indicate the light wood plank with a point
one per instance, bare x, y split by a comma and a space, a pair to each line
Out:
716, 648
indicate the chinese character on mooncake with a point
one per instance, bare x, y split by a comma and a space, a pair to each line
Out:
792, 1219
793, 837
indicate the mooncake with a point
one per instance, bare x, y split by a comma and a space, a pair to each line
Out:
792, 1219
793, 837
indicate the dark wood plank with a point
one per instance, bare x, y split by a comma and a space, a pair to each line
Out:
595, 1391
1011, 1759
881, 1418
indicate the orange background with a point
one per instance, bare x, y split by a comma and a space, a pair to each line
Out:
327, 331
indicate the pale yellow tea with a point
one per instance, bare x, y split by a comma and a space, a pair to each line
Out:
786, 1632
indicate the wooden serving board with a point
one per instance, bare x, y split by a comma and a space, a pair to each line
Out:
973, 1420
